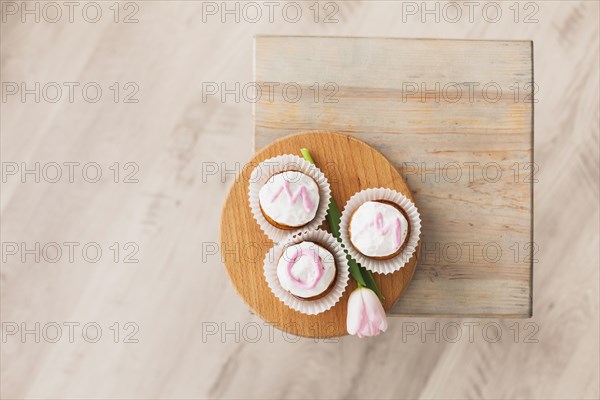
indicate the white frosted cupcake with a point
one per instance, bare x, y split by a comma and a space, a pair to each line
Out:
288, 195
306, 270
378, 229
289, 199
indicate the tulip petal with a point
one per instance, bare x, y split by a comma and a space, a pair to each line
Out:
356, 313
366, 316
375, 311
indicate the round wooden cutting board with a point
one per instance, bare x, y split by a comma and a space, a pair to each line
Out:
350, 166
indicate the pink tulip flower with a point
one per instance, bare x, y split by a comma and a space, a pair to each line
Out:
366, 316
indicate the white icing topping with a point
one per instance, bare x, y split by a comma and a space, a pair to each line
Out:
300, 275
378, 229
290, 198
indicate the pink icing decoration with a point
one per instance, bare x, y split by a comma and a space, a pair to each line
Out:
308, 205
318, 265
384, 230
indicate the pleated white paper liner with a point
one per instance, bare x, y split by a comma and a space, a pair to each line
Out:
287, 162
310, 307
395, 263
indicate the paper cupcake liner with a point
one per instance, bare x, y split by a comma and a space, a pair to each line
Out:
287, 162
310, 307
395, 263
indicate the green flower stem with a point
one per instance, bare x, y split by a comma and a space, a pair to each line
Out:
370, 281
307, 156
361, 275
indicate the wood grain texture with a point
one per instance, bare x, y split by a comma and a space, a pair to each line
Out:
175, 289
350, 166
465, 153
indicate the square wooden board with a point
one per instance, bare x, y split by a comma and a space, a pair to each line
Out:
456, 118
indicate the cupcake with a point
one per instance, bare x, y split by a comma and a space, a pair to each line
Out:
306, 270
378, 229
289, 200
287, 196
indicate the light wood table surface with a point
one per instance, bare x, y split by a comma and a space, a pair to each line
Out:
456, 118
195, 337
